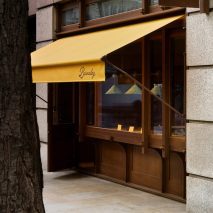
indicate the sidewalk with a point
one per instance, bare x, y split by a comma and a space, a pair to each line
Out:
71, 192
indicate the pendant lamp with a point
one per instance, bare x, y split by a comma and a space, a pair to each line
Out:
134, 90
157, 90
114, 89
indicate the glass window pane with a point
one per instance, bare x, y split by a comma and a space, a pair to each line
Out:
70, 16
153, 2
119, 97
93, 11
177, 84
103, 8
156, 85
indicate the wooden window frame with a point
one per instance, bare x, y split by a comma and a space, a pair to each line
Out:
146, 8
165, 142
64, 7
202, 4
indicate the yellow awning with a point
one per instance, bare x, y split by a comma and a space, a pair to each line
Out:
78, 58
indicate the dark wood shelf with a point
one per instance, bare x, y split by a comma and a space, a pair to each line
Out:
177, 143
134, 138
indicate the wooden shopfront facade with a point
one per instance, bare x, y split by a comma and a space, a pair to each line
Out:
130, 126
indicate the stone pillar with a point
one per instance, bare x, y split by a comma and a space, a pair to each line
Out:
199, 111
44, 35
32, 7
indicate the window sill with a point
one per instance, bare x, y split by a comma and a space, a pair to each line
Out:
134, 138
177, 144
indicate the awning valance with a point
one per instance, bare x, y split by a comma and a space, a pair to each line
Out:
78, 58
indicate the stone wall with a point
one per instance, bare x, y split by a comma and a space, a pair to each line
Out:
199, 111
45, 30
32, 7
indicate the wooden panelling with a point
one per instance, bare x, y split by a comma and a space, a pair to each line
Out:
178, 144
86, 155
145, 169
112, 160
175, 183
145, 95
178, 3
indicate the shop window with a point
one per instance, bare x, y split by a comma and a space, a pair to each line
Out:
70, 15
119, 97
155, 47
177, 84
117, 102
120, 103
103, 8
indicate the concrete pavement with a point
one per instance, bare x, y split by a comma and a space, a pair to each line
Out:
72, 192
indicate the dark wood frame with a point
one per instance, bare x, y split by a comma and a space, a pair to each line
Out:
164, 142
202, 4
146, 11
165, 145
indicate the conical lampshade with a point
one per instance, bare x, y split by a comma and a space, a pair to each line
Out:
113, 90
134, 89
157, 90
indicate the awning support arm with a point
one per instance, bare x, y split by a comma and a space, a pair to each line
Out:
143, 87
41, 98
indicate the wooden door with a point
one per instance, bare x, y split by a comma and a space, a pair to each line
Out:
62, 125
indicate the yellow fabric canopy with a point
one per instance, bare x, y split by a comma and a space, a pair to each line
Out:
78, 58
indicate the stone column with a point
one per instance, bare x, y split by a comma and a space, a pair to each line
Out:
44, 35
199, 111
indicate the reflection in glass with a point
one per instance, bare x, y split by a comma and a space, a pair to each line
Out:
121, 108
70, 16
114, 89
153, 2
134, 89
157, 90
177, 84
156, 85
103, 8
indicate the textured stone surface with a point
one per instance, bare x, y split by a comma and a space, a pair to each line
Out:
41, 90
199, 40
42, 44
32, 7
200, 94
44, 24
199, 195
191, 10
42, 122
43, 3
200, 149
